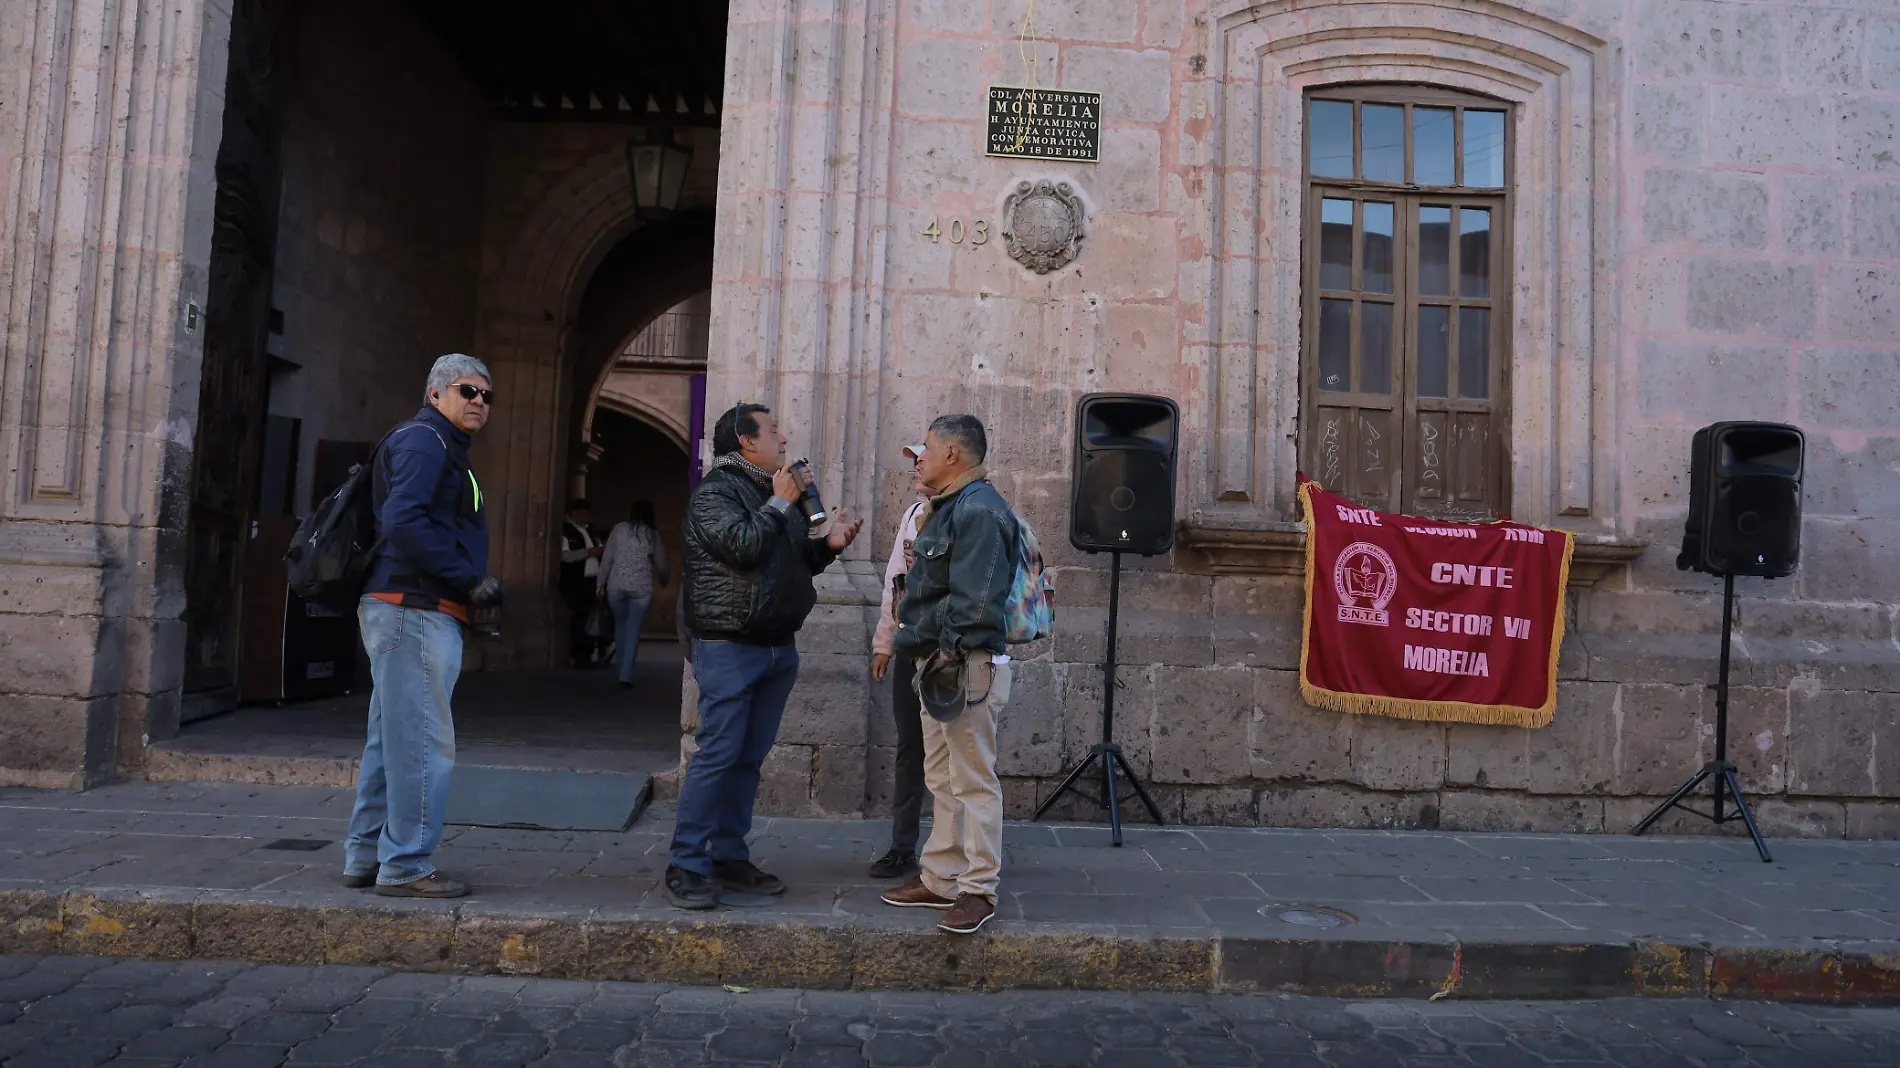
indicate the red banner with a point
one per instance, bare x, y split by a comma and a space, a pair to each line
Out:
1423, 619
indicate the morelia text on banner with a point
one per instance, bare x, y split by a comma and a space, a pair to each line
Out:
1424, 619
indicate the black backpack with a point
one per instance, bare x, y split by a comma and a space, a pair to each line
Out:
332, 550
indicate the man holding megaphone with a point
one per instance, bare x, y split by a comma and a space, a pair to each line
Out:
750, 561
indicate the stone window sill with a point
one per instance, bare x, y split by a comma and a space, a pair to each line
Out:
1233, 546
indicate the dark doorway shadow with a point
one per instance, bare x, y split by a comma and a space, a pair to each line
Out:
579, 720
639, 463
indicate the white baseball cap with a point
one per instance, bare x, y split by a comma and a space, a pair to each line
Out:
914, 451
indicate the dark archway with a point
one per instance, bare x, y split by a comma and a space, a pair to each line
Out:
652, 269
640, 462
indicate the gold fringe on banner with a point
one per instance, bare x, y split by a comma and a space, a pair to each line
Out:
1411, 708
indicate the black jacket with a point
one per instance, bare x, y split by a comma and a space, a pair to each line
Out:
429, 513
749, 566
958, 585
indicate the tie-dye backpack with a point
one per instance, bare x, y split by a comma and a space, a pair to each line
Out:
1027, 614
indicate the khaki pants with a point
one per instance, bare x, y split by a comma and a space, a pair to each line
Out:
965, 851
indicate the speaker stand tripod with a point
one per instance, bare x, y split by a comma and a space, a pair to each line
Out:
1107, 754
1719, 771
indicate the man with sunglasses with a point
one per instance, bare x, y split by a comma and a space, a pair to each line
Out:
428, 576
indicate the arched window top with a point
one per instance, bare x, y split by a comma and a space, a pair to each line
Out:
1409, 136
1419, 91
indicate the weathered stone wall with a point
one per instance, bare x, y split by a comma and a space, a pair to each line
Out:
1706, 208
109, 124
379, 233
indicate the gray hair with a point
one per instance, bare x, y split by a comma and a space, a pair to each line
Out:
451, 367
966, 431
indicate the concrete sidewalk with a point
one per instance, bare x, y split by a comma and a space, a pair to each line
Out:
181, 870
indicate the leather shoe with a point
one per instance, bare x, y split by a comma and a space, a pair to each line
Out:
915, 895
433, 886
968, 915
744, 877
690, 890
894, 865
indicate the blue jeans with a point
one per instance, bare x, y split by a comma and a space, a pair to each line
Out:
402, 787
742, 695
630, 612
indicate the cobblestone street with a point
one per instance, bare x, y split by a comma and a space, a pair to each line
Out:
57, 1012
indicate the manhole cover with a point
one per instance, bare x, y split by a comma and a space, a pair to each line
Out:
1310, 916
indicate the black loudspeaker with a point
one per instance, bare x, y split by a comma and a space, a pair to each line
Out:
1744, 500
1121, 497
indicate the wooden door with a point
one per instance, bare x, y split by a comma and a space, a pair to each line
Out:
233, 391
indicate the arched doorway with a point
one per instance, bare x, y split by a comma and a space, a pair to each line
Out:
438, 197
640, 462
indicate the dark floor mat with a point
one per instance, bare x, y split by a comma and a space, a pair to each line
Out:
547, 800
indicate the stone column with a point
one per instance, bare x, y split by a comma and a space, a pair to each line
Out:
796, 324
110, 120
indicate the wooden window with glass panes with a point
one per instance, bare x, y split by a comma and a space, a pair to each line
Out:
1405, 328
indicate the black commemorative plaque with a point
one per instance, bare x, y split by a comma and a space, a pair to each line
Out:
1053, 124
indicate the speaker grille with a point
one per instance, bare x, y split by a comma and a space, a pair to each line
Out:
1754, 526
1744, 500
1124, 502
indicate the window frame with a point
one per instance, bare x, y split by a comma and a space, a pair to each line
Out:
1407, 198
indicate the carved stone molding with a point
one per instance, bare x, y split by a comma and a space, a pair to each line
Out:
1229, 546
1233, 546
1598, 556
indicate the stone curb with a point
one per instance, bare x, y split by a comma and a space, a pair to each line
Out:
824, 953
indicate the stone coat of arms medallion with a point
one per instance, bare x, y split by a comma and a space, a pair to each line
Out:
1043, 225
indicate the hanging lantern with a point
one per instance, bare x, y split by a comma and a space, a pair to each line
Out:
656, 165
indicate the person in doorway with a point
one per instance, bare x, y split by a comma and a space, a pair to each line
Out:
749, 568
631, 568
581, 550
427, 575
907, 787
952, 622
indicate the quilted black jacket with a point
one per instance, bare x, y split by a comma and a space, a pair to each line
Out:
749, 567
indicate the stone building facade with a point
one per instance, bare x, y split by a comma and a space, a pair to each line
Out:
1695, 216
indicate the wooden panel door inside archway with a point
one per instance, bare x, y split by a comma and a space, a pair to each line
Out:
233, 391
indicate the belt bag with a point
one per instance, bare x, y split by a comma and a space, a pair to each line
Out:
947, 685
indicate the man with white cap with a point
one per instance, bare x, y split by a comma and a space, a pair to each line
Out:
907, 789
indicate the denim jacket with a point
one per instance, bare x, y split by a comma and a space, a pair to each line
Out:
958, 584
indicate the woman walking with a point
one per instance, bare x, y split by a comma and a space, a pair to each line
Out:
631, 568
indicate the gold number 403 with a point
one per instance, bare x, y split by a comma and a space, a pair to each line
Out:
977, 233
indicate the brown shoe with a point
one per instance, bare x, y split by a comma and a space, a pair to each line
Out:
968, 915
915, 895
433, 886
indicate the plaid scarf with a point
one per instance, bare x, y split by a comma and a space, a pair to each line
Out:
743, 466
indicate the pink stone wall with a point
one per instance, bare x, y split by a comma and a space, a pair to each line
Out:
1762, 275
110, 120
1708, 227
